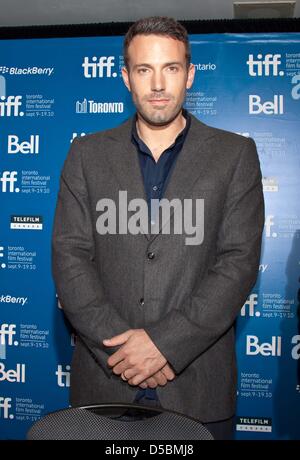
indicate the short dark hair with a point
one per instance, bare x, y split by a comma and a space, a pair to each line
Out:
157, 25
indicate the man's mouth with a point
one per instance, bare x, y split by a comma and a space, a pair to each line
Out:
158, 101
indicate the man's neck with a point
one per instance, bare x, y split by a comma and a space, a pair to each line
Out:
158, 138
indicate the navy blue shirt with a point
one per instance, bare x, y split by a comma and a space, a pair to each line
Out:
156, 176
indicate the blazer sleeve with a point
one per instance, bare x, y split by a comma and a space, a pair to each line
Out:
78, 284
186, 332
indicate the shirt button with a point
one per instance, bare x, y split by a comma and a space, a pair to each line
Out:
151, 255
142, 301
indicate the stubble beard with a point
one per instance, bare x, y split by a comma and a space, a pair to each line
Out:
159, 116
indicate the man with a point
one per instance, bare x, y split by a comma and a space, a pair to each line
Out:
154, 313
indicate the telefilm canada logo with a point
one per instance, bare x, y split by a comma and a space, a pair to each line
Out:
26, 222
254, 424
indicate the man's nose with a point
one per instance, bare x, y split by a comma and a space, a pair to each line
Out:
158, 81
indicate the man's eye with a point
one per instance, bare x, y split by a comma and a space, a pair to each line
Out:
173, 69
142, 70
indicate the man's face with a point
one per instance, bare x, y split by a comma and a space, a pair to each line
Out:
157, 77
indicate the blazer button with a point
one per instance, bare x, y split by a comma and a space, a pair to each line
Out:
142, 302
151, 255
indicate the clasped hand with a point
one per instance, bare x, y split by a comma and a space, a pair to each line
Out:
138, 361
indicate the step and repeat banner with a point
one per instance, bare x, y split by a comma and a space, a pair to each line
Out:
52, 90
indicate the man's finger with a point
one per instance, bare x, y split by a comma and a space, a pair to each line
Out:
143, 385
117, 339
160, 378
121, 367
151, 382
128, 374
137, 379
167, 371
116, 358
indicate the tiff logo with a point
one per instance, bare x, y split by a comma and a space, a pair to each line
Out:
250, 305
2, 264
9, 177
8, 330
10, 106
63, 377
99, 67
263, 64
4, 407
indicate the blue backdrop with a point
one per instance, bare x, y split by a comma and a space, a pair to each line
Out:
54, 89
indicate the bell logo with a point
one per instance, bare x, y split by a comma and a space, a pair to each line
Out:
25, 147
4, 407
12, 375
99, 67
9, 177
250, 304
263, 64
265, 349
274, 107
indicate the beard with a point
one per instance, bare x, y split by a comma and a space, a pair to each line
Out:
160, 115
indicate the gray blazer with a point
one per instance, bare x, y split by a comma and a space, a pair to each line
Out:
186, 297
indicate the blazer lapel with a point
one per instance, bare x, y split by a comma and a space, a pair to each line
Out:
190, 164
125, 165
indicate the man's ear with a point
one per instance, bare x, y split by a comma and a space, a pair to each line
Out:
125, 77
191, 76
